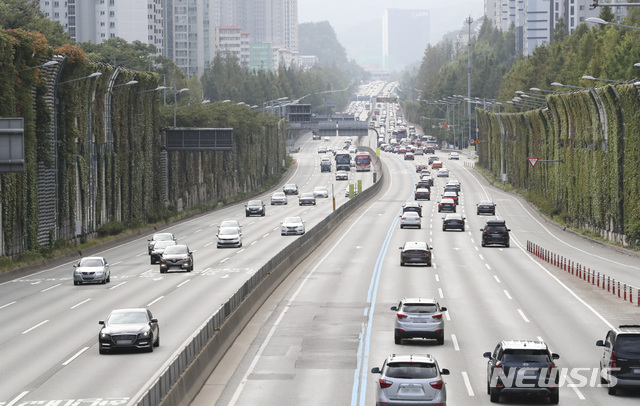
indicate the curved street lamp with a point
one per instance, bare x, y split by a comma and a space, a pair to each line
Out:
44, 65
588, 77
575, 87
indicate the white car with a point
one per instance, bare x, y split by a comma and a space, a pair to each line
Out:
279, 198
292, 225
230, 223
443, 173
342, 175
229, 237
454, 155
321, 191
410, 219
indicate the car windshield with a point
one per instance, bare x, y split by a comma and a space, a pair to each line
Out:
496, 229
292, 220
320, 189
411, 370
228, 231
177, 249
290, 186
164, 244
91, 262
420, 308
278, 195
520, 355
411, 214
415, 246
255, 203
306, 195
128, 318
162, 237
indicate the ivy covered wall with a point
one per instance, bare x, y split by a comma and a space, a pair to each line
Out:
94, 148
595, 136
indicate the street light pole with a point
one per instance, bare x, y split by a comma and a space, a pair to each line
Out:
469, 21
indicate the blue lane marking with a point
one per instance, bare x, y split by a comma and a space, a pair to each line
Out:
361, 372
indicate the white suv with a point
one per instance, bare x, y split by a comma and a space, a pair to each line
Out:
410, 380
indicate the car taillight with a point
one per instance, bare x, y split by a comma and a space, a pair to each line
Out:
614, 359
437, 384
437, 316
401, 316
384, 383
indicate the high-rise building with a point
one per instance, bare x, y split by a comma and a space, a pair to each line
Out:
534, 20
98, 20
405, 34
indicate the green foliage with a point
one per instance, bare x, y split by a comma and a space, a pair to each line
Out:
26, 14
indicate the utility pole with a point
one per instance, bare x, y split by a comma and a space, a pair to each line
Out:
469, 21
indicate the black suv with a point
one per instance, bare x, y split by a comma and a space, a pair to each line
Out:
620, 362
522, 367
495, 232
290, 189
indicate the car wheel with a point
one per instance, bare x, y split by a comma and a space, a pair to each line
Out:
104, 281
462, 228
440, 340
506, 245
429, 263
109, 278
397, 339
76, 282
401, 226
157, 343
152, 261
444, 229
217, 246
401, 263
262, 214
483, 244
101, 351
488, 389
554, 398
419, 226
162, 270
246, 215
494, 395
612, 391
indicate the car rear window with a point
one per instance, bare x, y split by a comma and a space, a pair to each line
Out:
420, 308
628, 344
521, 355
496, 229
411, 370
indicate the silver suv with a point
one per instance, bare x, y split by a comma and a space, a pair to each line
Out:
410, 380
419, 318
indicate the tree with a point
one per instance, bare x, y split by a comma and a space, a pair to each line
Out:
26, 14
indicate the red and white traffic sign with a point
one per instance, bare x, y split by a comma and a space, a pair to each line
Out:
533, 161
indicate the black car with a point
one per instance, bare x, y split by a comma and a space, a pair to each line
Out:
424, 184
307, 198
412, 206
176, 256
129, 328
495, 232
522, 367
447, 205
254, 208
453, 221
415, 252
620, 362
486, 208
158, 250
290, 189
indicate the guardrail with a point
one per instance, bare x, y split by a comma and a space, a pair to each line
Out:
623, 290
185, 374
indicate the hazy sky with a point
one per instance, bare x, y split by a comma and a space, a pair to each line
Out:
345, 15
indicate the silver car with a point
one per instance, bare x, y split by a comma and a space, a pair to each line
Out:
419, 318
292, 225
278, 198
410, 219
229, 237
91, 270
414, 379
321, 191
342, 175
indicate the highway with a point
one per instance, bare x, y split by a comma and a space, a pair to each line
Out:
318, 337
48, 343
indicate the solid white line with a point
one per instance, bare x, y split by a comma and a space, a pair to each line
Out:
67, 362
496, 278
455, 342
523, 316
183, 283
508, 295
17, 398
7, 305
467, 383
36, 326
157, 300
51, 287
83, 302
440, 293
